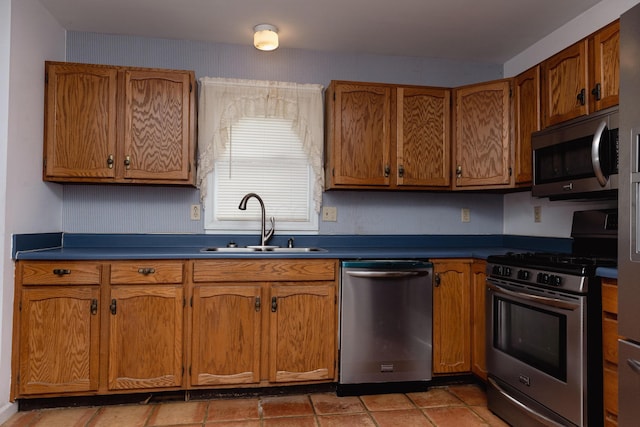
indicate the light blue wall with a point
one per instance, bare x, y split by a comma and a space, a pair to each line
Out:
105, 209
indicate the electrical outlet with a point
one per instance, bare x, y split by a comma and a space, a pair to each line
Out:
537, 214
465, 215
194, 213
329, 213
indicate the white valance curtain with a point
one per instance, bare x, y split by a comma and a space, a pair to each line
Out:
225, 101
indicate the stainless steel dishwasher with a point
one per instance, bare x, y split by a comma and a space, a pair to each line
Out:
385, 321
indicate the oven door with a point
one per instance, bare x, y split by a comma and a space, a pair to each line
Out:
535, 342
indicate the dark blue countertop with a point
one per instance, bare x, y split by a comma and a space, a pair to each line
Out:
70, 246
78, 246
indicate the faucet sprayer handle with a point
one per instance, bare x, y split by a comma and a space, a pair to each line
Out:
269, 233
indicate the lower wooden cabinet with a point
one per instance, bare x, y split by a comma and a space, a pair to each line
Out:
451, 316
478, 318
111, 327
56, 328
263, 322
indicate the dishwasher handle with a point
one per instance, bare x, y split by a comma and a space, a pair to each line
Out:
383, 273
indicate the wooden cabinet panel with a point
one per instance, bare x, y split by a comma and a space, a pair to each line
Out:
59, 339
451, 316
111, 124
302, 332
564, 84
422, 137
80, 121
60, 273
478, 318
482, 142
145, 337
147, 272
247, 270
226, 337
527, 120
359, 119
605, 77
157, 125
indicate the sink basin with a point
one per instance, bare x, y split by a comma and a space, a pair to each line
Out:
229, 249
262, 249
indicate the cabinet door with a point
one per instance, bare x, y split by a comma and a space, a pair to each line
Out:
422, 137
478, 319
59, 339
451, 317
483, 135
564, 85
80, 121
527, 120
157, 134
358, 151
610, 350
225, 346
145, 337
606, 67
302, 343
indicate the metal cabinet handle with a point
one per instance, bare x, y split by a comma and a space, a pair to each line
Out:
94, 306
61, 271
459, 171
110, 161
258, 303
387, 171
114, 306
400, 171
597, 92
127, 162
581, 97
437, 280
146, 271
274, 304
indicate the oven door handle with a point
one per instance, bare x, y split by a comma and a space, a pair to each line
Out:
553, 302
536, 415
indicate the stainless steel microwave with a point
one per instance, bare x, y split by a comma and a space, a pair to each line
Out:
577, 159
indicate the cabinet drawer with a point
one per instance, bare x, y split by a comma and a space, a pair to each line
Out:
143, 272
610, 296
60, 273
236, 270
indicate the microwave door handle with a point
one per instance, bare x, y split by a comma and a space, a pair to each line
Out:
595, 154
552, 302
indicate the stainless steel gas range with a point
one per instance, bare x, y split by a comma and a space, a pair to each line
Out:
544, 337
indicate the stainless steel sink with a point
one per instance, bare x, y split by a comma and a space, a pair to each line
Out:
264, 249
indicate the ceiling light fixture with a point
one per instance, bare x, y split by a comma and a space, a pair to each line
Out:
265, 37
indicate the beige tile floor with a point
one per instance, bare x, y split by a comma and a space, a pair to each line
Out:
454, 405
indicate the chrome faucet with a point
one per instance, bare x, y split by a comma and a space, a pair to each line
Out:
264, 235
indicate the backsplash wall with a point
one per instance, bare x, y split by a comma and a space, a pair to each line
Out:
139, 209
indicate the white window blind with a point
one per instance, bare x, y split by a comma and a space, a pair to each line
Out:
265, 157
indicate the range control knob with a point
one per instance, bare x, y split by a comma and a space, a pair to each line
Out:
555, 280
543, 278
523, 274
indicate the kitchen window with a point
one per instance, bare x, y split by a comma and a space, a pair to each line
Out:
265, 138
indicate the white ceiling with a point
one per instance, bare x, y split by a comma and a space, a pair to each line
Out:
478, 30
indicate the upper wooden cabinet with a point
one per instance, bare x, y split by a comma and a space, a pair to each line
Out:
527, 120
604, 48
482, 141
111, 124
387, 136
582, 78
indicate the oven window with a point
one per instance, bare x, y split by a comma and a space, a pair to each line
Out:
534, 336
